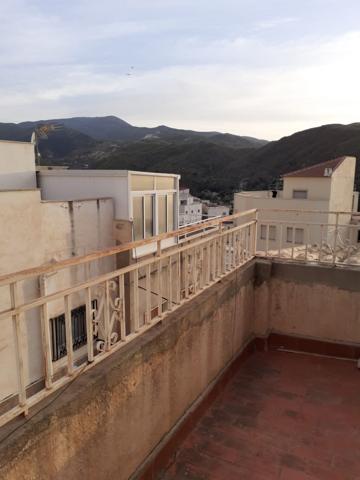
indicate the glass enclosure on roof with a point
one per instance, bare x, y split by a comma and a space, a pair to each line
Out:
153, 204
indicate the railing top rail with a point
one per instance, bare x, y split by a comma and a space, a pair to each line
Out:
97, 254
300, 212
108, 276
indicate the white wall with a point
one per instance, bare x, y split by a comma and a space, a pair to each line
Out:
17, 165
270, 210
80, 185
33, 233
318, 188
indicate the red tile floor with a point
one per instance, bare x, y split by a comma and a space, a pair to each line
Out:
282, 416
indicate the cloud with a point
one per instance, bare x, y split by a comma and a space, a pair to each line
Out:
274, 23
187, 74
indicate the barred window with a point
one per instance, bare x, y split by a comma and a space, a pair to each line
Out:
79, 332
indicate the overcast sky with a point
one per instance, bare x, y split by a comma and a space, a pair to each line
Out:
265, 68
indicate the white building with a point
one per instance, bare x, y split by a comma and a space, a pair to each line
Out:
73, 213
325, 187
190, 208
146, 204
212, 210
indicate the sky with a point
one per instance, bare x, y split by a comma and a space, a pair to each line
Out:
265, 69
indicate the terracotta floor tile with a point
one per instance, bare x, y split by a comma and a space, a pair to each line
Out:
283, 416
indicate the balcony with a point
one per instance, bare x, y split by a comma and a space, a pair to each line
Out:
212, 319
281, 416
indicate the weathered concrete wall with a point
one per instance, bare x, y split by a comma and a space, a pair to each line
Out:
17, 169
310, 301
35, 232
111, 417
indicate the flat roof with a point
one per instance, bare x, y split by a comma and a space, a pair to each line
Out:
103, 173
16, 141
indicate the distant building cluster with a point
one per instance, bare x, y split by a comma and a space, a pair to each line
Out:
193, 210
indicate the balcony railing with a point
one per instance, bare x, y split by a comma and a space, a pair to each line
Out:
294, 235
63, 318
107, 307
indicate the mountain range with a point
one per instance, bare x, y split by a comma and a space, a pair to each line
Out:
212, 164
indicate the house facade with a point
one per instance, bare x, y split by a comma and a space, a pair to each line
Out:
50, 215
315, 191
190, 208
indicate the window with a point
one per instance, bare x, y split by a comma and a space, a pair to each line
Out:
301, 194
170, 213
149, 215
138, 218
272, 232
295, 237
79, 331
162, 214
182, 202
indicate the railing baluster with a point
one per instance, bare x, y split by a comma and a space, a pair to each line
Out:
19, 345
68, 335
280, 239
202, 269
107, 317
170, 281
321, 241
208, 268
159, 288
267, 240
148, 294
193, 270
335, 238
89, 325
178, 279
136, 313
122, 309
186, 273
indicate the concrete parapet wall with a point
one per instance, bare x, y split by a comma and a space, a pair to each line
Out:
111, 418
314, 301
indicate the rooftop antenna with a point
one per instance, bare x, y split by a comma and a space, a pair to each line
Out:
42, 132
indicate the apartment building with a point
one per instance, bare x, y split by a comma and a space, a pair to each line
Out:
313, 192
190, 208
50, 215
212, 210
145, 204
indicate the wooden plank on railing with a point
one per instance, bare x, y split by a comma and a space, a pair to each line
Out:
89, 325
21, 362
46, 339
97, 254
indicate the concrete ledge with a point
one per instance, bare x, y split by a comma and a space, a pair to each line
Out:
163, 454
278, 341
112, 417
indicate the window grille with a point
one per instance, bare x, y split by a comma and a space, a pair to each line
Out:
79, 332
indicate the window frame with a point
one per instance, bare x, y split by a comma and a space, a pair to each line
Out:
265, 227
299, 191
156, 194
58, 352
293, 231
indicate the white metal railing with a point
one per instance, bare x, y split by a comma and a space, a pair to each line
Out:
296, 237
119, 304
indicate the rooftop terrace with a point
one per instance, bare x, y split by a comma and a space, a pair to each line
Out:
163, 337
282, 416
